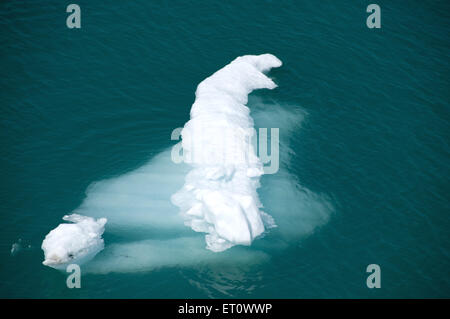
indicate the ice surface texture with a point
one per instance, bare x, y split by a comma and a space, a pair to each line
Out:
73, 243
219, 195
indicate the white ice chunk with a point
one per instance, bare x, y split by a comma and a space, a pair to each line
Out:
73, 243
219, 196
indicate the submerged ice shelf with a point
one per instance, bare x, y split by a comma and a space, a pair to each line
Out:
77, 242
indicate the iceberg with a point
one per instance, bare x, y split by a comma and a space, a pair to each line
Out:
219, 196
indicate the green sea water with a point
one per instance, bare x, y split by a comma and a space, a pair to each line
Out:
84, 105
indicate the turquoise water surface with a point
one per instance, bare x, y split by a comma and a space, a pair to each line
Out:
363, 114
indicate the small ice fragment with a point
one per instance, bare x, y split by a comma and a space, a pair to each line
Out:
74, 243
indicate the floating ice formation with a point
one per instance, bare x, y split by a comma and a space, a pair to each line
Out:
146, 226
73, 243
219, 195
